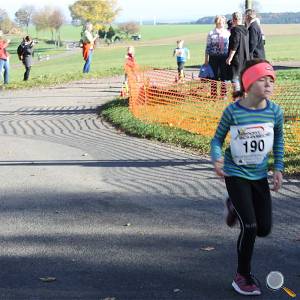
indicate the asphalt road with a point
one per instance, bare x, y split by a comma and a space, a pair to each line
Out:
115, 217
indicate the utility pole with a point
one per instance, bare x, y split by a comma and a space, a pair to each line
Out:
248, 4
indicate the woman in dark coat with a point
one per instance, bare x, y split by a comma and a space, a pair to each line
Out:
26, 57
238, 49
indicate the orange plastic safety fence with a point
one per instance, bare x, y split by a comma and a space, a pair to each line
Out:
196, 104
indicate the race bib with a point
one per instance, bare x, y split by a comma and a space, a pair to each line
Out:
179, 52
251, 143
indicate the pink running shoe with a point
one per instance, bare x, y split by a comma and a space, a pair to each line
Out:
246, 285
230, 213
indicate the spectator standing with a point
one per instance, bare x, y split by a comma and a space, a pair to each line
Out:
182, 55
229, 25
216, 53
238, 49
88, 41
26, 56
4, 58
131, 68
256, 37
262, 31
130, 62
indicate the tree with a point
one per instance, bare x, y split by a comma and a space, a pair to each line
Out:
253, 3
129, 28
55, 20
100, 13
23, 16
110, 34
5, 22
3, 15
102, 33
248, 4
7, 25
49, 18
40, 19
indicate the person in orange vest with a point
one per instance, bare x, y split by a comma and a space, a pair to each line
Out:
88, 45
130, 62
131, 66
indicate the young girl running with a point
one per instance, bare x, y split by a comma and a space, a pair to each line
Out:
182, 55
256, 128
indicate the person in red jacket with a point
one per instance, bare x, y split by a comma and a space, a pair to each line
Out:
4, 58
130, 62
131, 67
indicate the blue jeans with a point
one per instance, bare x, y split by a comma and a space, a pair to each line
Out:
236, 84
4, 65
87, 65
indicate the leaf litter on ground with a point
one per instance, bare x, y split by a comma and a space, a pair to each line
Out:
48, 279
208, 248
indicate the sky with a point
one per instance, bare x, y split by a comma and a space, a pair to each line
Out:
165, 10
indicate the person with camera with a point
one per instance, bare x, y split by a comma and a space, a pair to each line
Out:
25, 52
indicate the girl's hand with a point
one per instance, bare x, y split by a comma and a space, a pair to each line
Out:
277, 181
218, 165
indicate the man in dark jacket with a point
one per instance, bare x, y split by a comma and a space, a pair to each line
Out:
238, 49
256, 41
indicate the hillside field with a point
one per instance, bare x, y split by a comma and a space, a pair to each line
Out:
155, 49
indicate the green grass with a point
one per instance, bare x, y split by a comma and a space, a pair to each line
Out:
155, 50
42, 47
290, 75
67, 33
117, 113
148, 32
154, 32
283, 48
106, 62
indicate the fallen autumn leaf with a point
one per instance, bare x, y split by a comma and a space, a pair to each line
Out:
47, 279
208, 248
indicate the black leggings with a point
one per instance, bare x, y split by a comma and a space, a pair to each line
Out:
220, 69
27, 72
180, 66
252, 202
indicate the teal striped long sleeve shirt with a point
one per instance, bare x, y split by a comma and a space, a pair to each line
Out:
235, 114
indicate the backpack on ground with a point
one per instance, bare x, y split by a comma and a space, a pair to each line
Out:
206, 71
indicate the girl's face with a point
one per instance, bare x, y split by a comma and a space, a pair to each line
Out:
180, 44
262, 88
130, 50
220, 22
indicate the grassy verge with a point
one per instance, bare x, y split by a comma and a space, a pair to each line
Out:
49, 79
155, 49
291, 162
117, 113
